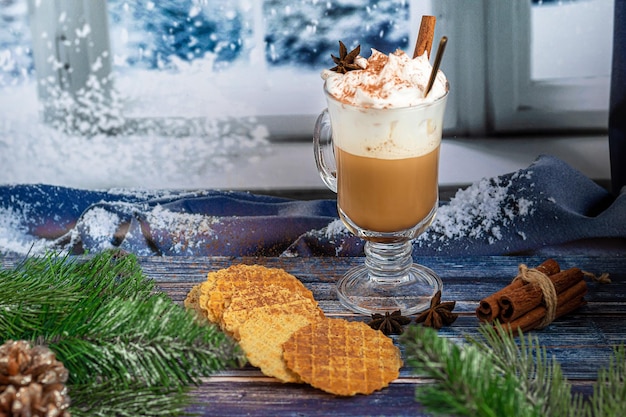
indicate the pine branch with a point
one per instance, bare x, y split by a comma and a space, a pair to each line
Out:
609, 392
40, 291
503, 375
107, 324
466, 381
27, 296
158, 340
541, 377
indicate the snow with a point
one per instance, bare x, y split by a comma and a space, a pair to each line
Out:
14, 236
150, 155
183, 227
335, 228
101, 226
182, 223
480, 211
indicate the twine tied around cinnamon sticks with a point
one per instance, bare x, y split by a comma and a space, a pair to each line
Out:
538, 278
536, 297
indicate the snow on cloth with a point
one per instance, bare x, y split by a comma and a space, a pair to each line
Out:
549, 203
36, 218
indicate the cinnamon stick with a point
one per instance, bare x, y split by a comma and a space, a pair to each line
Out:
489, 308
567, 301
425, 36
526, 298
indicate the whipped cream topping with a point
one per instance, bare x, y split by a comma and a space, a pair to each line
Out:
386, 81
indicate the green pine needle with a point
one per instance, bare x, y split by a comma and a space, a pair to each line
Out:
500, 375
94, 400
466, 381
609, 393
109, 326
541, 377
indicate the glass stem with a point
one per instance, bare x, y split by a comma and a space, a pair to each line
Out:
388, 263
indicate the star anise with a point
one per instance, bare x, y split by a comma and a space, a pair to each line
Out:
390, 323
345, 62
439, 314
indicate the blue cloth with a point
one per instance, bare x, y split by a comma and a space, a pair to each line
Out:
548, 203
215, 223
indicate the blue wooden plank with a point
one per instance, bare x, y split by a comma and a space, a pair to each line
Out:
267, 397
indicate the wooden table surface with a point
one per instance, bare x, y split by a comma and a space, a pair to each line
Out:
581, 341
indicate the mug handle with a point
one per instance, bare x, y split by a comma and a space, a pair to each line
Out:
324, 151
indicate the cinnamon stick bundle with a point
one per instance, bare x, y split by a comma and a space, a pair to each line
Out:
567, 301
523, 304
489, 308
526, 298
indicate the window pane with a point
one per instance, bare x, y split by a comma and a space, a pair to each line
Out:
205, 58
16, 64
158, 34
571, 38
305, 33
550, 67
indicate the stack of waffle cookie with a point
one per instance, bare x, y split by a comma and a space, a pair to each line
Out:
283, 331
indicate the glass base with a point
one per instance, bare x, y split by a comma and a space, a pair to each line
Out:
359, 291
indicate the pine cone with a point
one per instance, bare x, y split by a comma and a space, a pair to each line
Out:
32, 382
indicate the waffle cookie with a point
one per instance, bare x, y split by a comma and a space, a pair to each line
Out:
341, 357
271, 299
262, 337
219, 288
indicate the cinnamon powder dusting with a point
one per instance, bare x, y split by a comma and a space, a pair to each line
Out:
375, 65
380, 87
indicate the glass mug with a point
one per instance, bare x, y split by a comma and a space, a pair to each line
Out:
383, 164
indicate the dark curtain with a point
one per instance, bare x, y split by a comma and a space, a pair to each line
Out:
617, 107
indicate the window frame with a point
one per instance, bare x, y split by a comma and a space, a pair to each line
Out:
488, 64
517, 103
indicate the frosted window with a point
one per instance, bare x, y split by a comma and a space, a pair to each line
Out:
158, 34
15, 53
196, 87
258, 59
571, 39
304, 33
